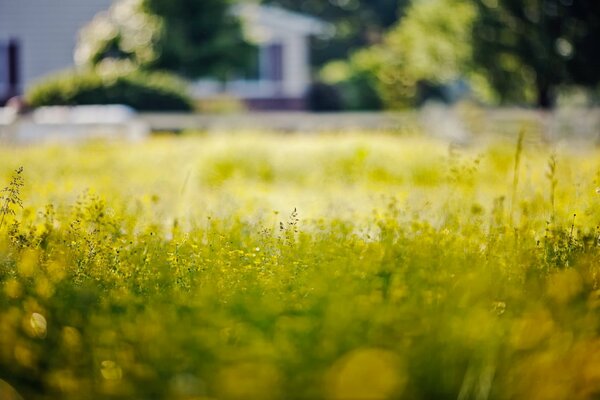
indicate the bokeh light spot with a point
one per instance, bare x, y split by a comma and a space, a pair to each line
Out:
367, 374
111, 371
39, 325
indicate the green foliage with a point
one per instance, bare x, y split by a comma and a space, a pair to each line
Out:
356, 82
322, 97
188, 37
143, 91
357, 23
507, 50
537, 45
371, 266
429, 47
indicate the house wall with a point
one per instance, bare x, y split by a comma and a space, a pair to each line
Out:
296, 62
268, 25
296, 66
47, 32
266, 93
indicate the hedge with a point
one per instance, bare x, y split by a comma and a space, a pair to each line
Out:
143, 91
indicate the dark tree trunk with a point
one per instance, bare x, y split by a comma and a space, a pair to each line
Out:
545, 99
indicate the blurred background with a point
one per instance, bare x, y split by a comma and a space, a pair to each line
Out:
335, 55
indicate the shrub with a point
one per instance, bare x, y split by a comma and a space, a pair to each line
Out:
323, 97
143, 91
356, 81
427, 51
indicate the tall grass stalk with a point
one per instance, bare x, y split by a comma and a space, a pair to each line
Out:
10, 196
551, 175
515, 184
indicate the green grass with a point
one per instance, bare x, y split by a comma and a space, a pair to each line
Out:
365, 266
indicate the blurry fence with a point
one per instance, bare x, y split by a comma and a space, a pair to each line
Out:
70, 124
459, 124
281, 122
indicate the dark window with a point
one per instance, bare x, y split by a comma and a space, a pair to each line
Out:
274, 62
3, 71
9, 69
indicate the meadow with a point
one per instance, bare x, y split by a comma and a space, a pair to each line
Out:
265, 266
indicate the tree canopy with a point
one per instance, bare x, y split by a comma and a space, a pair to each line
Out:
538, 44
192, 38
429, 47
357, 23
509, 51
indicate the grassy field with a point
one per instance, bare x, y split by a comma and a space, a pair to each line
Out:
367, 266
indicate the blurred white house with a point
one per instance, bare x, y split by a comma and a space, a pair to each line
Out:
283, 75
38, 37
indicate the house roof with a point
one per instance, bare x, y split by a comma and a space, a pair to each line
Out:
283, 20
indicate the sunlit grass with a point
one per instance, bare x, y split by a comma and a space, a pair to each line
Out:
366, 266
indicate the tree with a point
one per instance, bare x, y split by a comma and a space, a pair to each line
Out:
357, 23
537, 44
428, 48
190, 37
